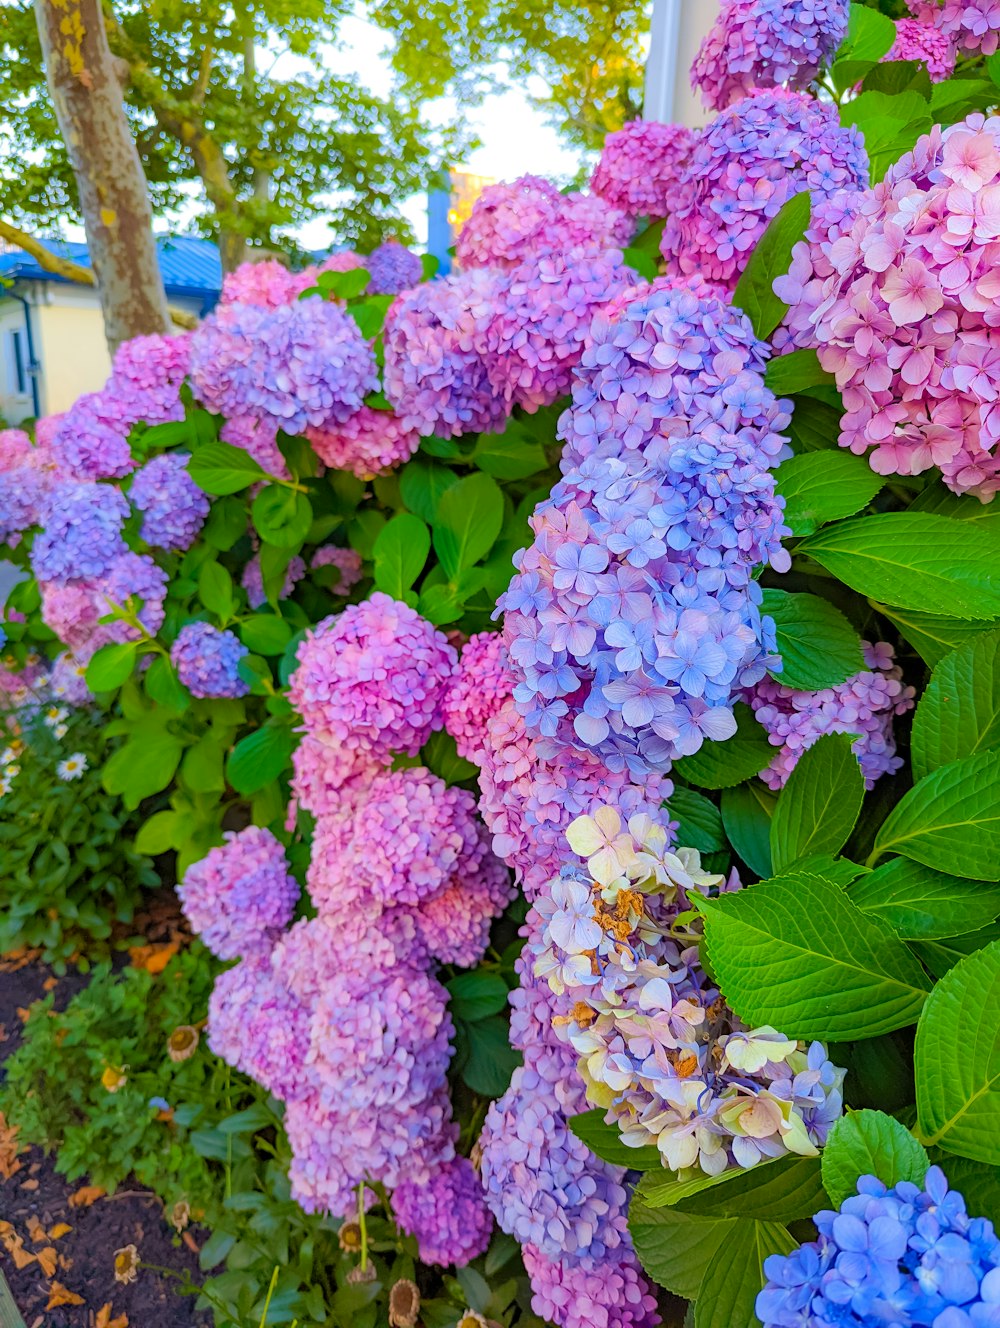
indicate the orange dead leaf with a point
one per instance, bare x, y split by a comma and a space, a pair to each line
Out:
47, 1261
50, 984
59, 1230
154, 958
24, 1013
9, 1149
191, 1243
36, 1231
14, 1246
85, 1196
60, 1295
30, 1185
103, 1318
4, 1035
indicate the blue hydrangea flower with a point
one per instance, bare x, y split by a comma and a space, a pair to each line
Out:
81, 537
207, 661
173, 507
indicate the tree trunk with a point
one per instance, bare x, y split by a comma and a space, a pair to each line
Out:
114, 197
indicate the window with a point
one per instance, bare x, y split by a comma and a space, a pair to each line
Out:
18, 375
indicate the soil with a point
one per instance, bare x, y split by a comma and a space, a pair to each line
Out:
68, 1237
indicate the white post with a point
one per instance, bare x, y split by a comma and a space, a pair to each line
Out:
677, 30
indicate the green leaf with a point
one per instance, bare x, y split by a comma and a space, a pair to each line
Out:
201, 768
957, 1060
746, 815
818, 646
421, 484
950, 820
870, 1143
959, 714
677, 1249
718, 765
441, 604
895, 76
429, 266
771, 258
920, 904
799, 369
344, 285
942, 956
824, 486
731, 1284
265, 634
440, 755
220, 468
890, 124
400, 553
795, 953
110, 666
227, 522
163, 686
870, 35
491, 1060
959, 506
782, 1189
468, 521
606, 1142
819, 805
143, 766
814, 426
477, 994
161, 832
370, 315
932, 635
699, 821
215, 589
511, 455
260, 757
914, 560
641, 262
282, 516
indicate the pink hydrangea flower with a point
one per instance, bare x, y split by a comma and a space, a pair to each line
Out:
641, 167
367, 443
477, 690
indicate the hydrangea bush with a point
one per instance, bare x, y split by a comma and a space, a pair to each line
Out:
568, 689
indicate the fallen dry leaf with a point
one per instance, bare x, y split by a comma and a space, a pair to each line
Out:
24, 1012
59, 1230
50, 984
47, 1261
4, 1035
9, 1149
36, 1231
60, 1295
103, 1318
154, 958
30, 1185
85, 1196
14, 1245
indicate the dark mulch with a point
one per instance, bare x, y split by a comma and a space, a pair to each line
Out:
36, 1198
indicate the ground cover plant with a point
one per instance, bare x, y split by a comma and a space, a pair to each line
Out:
566, 690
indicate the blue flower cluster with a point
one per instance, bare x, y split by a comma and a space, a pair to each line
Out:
174, 508
634, 615
393, 268
900, 1256
82, 533
207, 660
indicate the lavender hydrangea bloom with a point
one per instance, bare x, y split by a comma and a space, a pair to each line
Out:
299, 365
909, 1254
447, 1214
392, 268
748, 162
90, 441
643, 616
207, 661
81, 535
573, 1293
767, 44
506, 222
174, 508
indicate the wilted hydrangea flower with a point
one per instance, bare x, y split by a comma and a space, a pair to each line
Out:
81, 535
907, 318
748, 162
241, 895
909, 1254
435, 347
477, 690
767, 44
447, 1214
174, 508
367, 443
373, 678
207, 660
641, 167
392, 268
302, 364
865, 704
543, 317
506, 221
634, 615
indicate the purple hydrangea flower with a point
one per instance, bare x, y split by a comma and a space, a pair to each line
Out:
81, 535
174, 508
392, 268
207, 661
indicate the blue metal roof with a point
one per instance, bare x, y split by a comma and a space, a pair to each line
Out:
190, 265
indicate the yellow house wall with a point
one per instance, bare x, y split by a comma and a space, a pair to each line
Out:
73, 353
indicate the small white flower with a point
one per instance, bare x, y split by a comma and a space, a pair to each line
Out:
61, 730
73, 767
54, 717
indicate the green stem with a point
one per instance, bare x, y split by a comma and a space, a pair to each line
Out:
270, 1293
362, 1225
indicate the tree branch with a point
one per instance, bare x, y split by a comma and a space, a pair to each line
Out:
70, 271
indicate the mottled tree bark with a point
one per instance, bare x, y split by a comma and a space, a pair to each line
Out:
114, 197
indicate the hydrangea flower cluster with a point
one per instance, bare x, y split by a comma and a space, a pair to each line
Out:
865, 704
82, 532
252, 580
268, 284
634, 616
342, 1016
909, 1254
803, 286
907, 319
241, 896
766, 44
346, 561
393, 268
366, 443
745, 166
174, 508
712, 1094
641, 167
925, 43
207, 660
299, 365
476, 691
971, 25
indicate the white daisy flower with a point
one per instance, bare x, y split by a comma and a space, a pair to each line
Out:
73, 767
